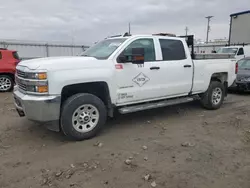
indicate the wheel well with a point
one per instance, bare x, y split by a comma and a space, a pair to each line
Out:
99, 89
9, 74
221, 77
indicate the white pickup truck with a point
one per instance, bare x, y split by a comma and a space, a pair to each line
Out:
75, 95
239, 52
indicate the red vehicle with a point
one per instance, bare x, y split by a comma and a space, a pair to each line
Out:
8, 61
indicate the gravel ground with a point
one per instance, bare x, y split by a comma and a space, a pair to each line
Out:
183, 146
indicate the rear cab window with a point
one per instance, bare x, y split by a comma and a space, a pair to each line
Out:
172, 50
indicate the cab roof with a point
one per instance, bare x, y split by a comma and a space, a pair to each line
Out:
143, 35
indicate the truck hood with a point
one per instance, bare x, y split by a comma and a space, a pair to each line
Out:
61, 63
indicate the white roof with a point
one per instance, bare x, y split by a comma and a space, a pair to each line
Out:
158, 36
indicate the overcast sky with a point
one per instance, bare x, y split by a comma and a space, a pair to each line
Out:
87, 21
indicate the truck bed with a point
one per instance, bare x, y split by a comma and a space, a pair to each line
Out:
205, 68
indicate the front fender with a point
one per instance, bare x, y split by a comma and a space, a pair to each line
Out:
59, 79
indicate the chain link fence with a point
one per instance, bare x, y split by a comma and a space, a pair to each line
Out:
30, 50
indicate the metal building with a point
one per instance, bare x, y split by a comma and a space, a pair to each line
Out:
240, 28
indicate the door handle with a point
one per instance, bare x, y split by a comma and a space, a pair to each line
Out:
154, 68
187, 66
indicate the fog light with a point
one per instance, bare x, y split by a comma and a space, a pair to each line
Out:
42, 89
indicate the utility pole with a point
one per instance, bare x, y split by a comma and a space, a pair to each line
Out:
72, 41
208, 26
129, 28
186, 29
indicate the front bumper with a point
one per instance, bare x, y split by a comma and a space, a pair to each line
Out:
38, 108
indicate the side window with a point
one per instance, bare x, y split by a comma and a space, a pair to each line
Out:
172, 49
0, 55
147, 44
15, 55
241, 51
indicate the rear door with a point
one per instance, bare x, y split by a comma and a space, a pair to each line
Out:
176, 68
1, 62
0, 57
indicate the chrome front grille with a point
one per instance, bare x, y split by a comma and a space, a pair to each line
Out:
20, 80
20, 74
21, 86
26, 82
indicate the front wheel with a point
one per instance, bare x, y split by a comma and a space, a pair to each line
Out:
83, 116
6, 83
213, 98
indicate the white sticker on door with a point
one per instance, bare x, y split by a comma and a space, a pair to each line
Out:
141, 79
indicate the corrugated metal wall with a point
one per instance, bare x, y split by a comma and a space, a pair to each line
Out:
27, 50
240, 29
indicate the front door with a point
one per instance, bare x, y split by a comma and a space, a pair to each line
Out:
138, 83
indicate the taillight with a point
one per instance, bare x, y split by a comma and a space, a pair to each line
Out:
236, 68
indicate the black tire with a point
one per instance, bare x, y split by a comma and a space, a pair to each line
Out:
206, 98
72, 104
11, 83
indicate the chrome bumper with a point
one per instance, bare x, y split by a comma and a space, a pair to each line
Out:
38, 108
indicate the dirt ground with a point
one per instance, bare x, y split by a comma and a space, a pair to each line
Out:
175, 147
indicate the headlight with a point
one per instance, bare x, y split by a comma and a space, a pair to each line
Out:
36, 76
32, 82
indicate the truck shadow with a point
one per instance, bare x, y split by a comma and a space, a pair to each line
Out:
237, 92
175, 111
116, 124
120, 122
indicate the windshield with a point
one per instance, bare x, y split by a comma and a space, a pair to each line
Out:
103, 49
227, 51
244, 64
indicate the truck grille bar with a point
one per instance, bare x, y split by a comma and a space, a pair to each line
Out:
20, 74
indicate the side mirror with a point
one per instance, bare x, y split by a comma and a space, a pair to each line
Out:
138, 55
122, 59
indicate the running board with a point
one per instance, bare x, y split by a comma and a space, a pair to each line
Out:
152, 105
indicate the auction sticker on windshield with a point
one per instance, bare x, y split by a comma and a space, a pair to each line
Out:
115, 44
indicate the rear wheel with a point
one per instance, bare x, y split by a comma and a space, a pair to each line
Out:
83, 116
213, 98
6, 83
